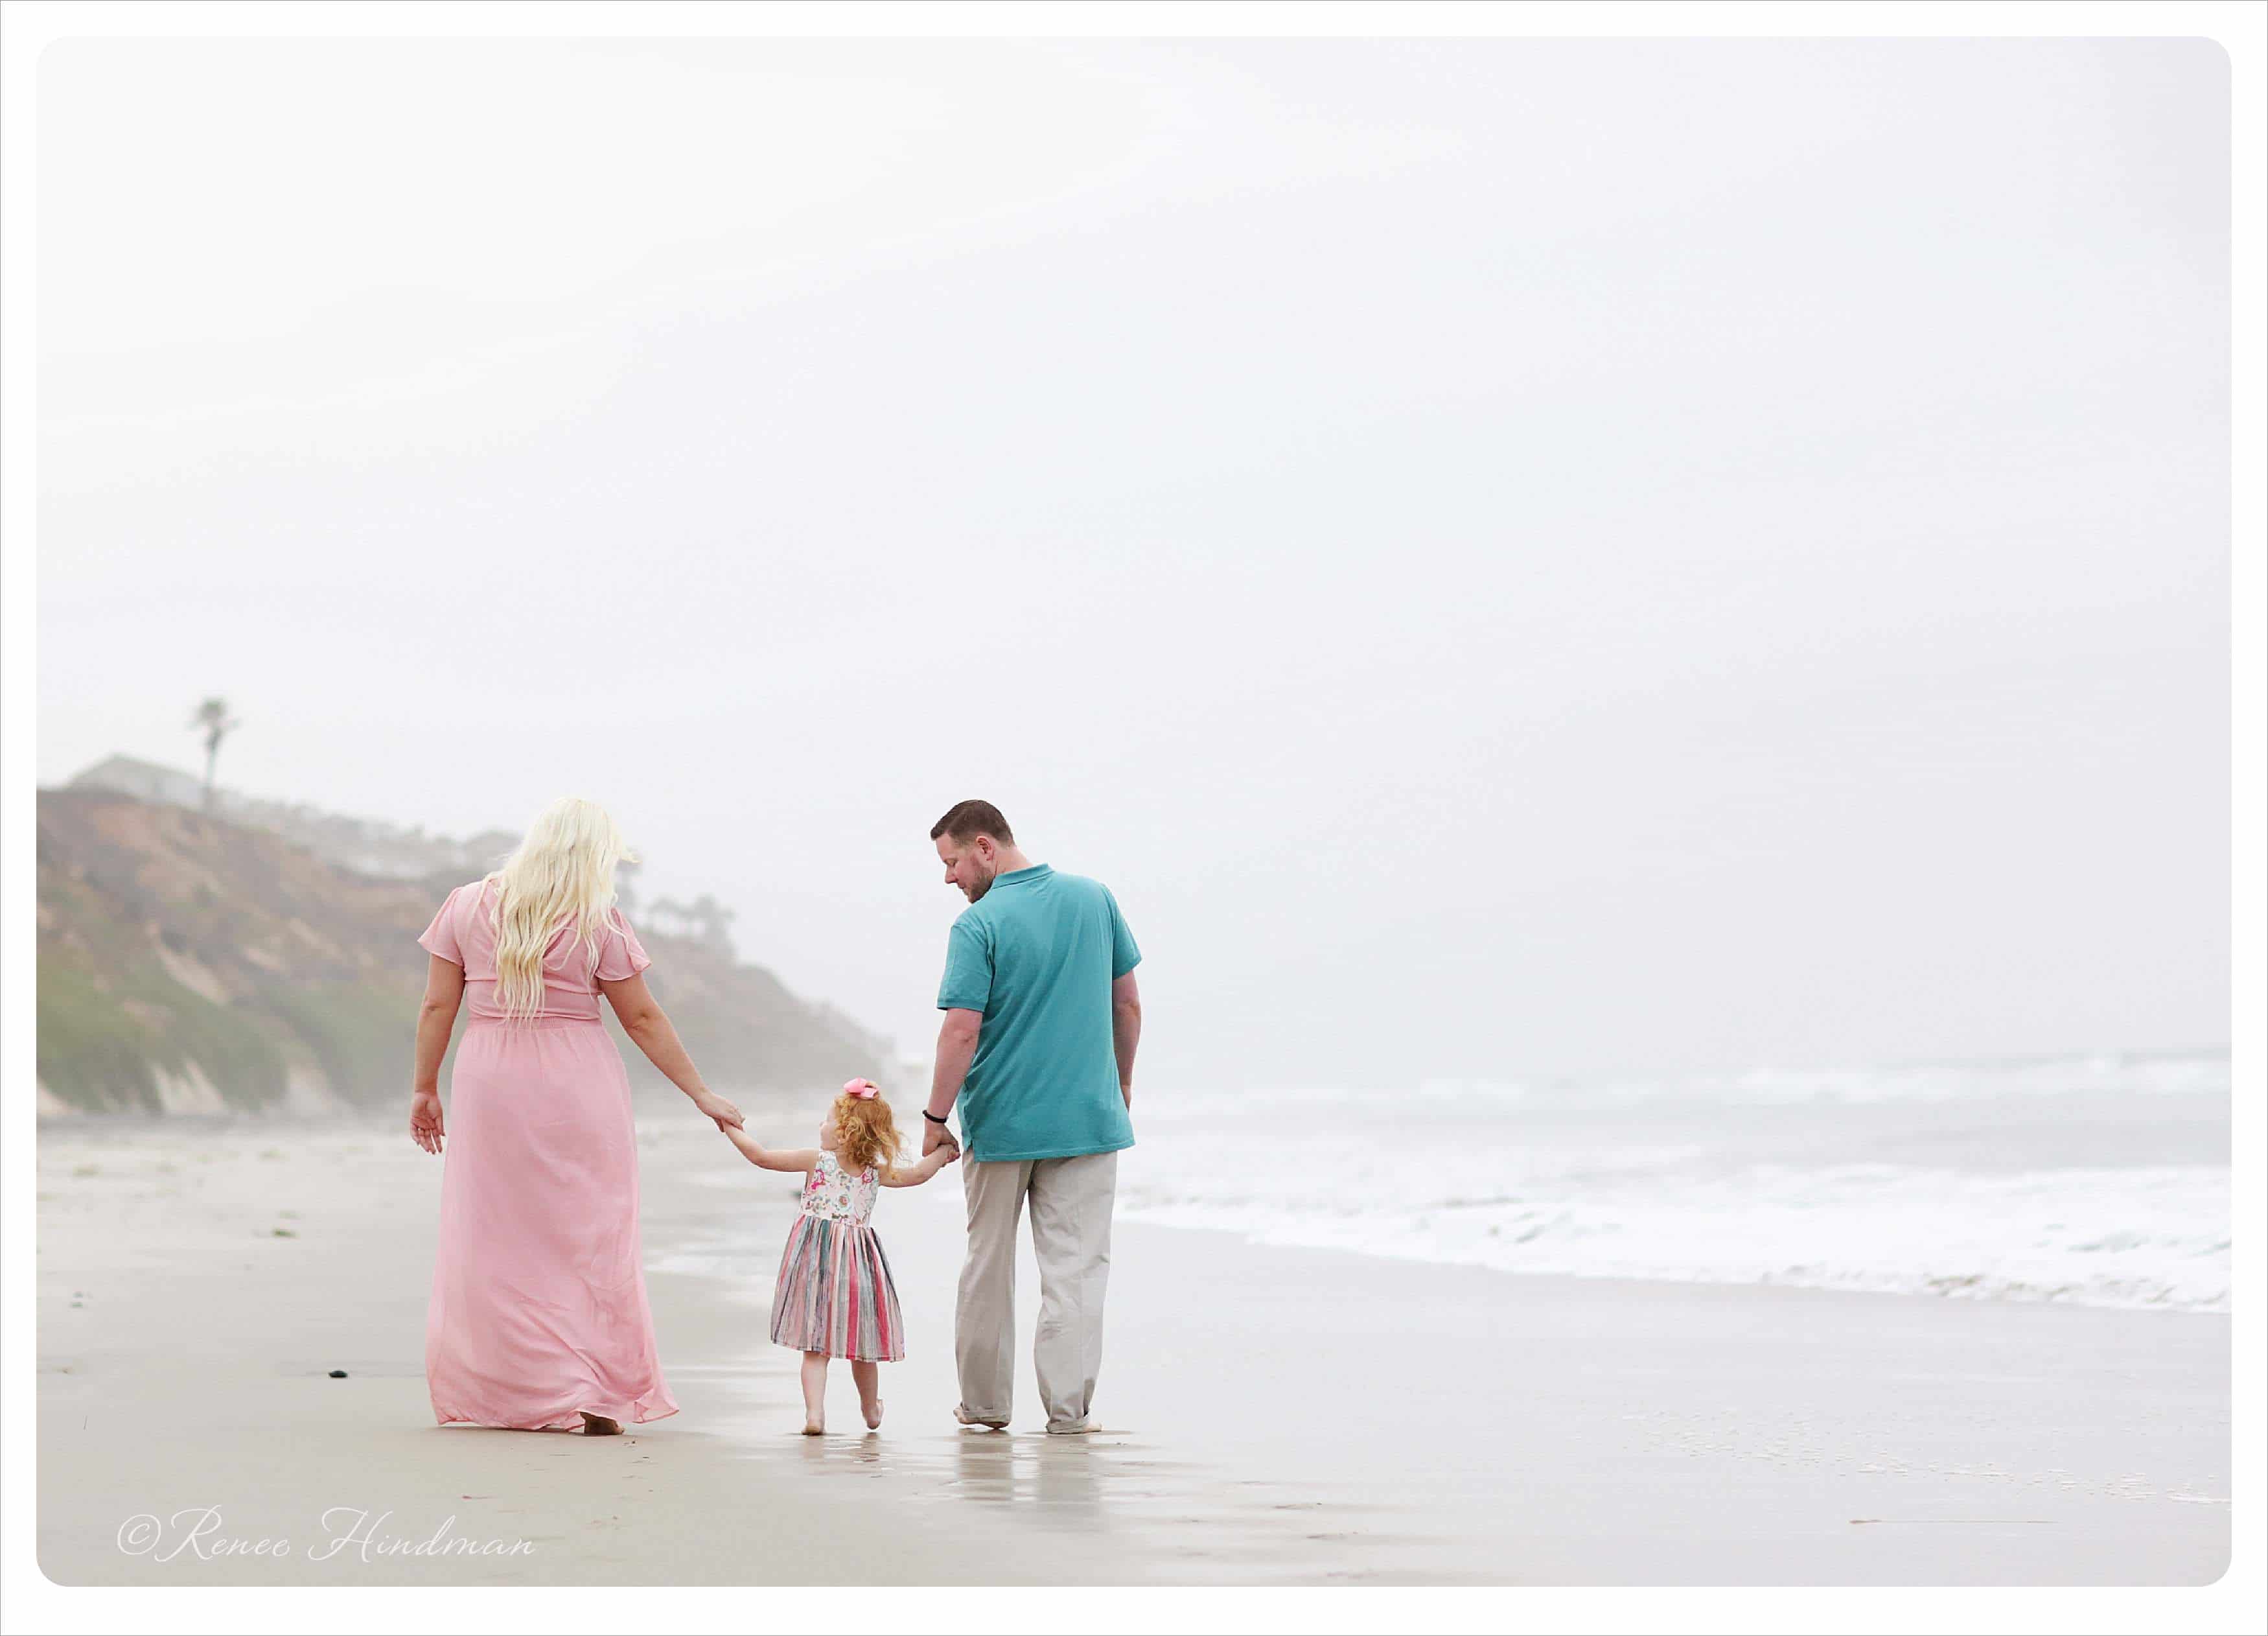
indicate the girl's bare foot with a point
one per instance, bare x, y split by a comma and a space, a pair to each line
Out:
599, 1426
873, 1411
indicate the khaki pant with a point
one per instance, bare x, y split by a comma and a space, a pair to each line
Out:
1071, 1235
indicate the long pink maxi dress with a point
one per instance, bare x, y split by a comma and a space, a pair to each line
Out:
539, 1308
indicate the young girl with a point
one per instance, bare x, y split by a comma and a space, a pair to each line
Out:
834, 1298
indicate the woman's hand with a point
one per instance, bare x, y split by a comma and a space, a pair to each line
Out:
715, 1106
425, 1120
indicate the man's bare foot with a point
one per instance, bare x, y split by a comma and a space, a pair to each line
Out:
873, 1413
599, 1426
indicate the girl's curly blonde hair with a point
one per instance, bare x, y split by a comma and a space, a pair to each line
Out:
866, 1133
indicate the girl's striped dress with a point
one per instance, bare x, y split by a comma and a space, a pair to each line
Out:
835, 1294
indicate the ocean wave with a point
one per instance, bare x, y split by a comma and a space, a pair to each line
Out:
2093, 1198
2100, 1073
1907, 1234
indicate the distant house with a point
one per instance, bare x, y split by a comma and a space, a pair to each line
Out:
144, 780
363, 845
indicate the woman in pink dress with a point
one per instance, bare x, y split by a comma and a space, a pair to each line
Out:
538, 1317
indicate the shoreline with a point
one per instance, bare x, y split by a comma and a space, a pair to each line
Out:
1274, 1415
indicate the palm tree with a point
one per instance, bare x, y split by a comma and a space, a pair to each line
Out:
213, 717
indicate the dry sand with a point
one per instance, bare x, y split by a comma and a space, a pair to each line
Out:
1276, 1416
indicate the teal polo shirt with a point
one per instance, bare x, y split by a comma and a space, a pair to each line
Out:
1037, 954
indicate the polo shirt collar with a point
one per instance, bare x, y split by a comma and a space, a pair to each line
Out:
1035, 872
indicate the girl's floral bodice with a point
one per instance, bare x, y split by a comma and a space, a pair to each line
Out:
832, 1194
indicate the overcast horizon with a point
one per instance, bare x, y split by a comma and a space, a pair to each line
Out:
1511, 557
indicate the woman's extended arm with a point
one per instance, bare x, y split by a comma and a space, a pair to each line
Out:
649, 1027
436, 1018
914, 1176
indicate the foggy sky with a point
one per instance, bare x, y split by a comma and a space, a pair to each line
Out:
1511, 557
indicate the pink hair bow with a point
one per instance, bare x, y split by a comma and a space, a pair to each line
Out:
866, 1090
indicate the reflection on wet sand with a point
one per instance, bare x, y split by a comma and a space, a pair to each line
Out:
1057, 1477
1057, 1480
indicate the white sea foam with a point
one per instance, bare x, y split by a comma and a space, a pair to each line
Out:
2100, 1180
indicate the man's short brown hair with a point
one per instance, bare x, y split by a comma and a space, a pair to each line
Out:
968, 820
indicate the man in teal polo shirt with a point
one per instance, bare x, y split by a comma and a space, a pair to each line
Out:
1041, 1017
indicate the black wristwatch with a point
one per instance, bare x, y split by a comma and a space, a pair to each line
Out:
932, 1117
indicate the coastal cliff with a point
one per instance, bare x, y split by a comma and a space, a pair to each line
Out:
193, 964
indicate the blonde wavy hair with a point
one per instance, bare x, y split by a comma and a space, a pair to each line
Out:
561, 874
866, 1133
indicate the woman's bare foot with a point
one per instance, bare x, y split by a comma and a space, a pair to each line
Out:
599, 1426
814, 1428
873, 1412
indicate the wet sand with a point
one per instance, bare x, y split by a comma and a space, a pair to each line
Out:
1273, 1416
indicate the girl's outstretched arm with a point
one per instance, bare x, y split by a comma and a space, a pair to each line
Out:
914, 1176
770, 1158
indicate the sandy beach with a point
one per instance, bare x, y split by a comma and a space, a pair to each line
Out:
1276, 1416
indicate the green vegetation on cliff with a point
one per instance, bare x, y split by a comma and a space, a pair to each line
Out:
187, 963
